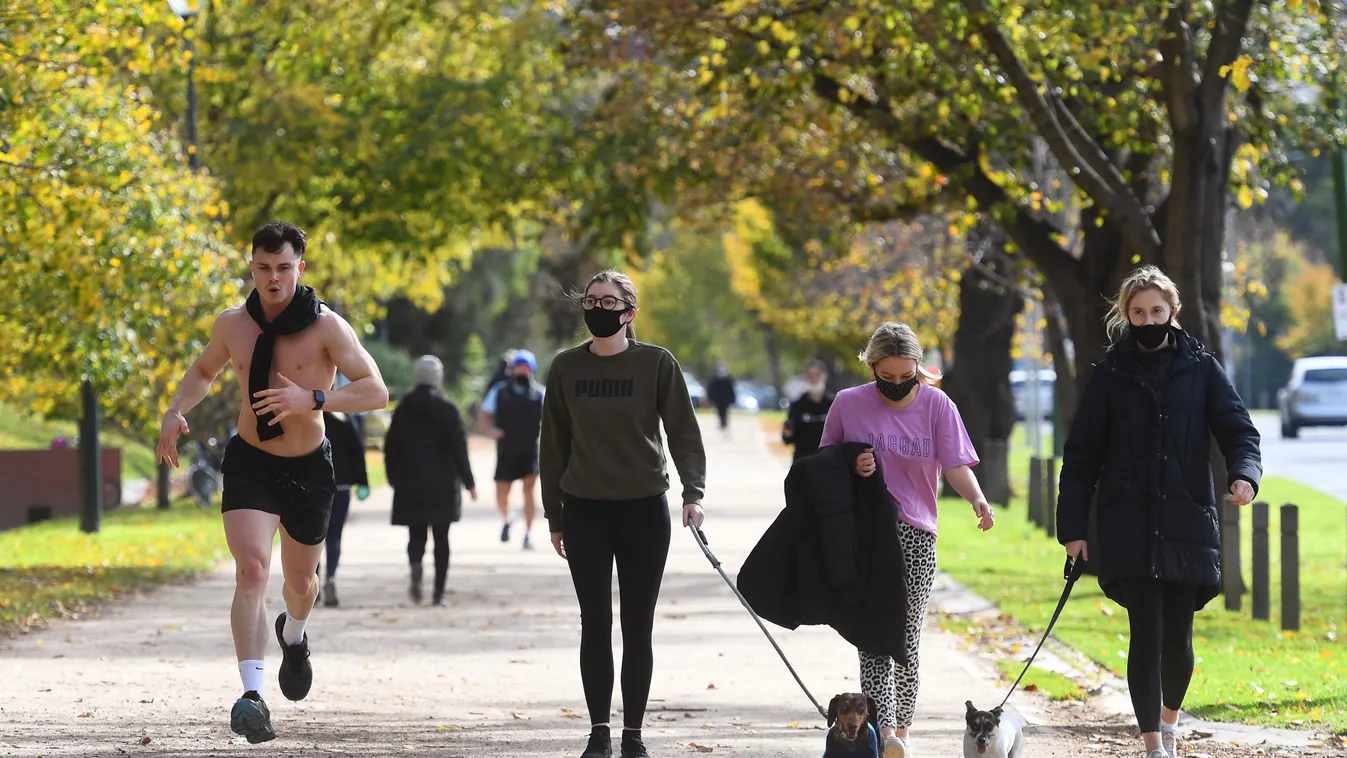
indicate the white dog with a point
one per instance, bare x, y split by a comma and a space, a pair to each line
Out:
993, 734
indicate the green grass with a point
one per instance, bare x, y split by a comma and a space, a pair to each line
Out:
53, 570
20, 431
1248, 671
1053, 686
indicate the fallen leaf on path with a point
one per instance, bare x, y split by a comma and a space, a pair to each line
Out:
520, 717
145, 741
86, 715
711, 686
701, 748
1316, 744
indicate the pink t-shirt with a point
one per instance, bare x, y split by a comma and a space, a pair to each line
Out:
913, 445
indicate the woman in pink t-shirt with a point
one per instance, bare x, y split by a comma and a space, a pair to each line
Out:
916, 433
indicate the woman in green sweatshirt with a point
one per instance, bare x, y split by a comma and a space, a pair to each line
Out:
604, 480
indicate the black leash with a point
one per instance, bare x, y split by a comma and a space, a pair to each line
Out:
1071, 573
715, 563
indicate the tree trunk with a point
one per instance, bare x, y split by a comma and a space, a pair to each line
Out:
978, 380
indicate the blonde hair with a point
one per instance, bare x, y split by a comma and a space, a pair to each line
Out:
894, 340
1140, 280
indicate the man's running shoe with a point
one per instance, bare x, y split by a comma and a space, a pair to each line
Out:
296, 673
251, 718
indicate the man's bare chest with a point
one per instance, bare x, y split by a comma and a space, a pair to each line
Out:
301, 357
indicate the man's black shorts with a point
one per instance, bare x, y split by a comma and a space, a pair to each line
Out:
299, 490
512, 467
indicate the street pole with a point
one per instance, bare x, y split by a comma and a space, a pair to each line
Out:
91, 462
188, 14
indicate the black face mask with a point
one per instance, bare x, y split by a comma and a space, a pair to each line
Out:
1150, 336
895, 392
603, 323
522, 380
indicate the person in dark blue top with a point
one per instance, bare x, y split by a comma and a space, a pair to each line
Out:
512, 414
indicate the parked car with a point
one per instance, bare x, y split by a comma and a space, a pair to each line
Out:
1019, 388
695, 390
754, 396
1316, 395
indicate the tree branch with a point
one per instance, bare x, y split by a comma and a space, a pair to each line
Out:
1227, 36
1075, 150
1179, 70
1033, 235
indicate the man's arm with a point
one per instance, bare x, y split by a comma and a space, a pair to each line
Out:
367, 391
196, 383
193, 387
486, 417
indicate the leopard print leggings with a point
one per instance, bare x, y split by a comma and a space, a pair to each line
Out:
894, 687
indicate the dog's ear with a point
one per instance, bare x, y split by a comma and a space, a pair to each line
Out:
832, 710
872, 711
996, 712
971, 713
971, 708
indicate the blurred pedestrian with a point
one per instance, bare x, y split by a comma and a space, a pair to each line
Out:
348, 467
426, 458
803, 427
512, 415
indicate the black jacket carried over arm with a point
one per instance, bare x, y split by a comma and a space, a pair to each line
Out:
833, 557
1144, 451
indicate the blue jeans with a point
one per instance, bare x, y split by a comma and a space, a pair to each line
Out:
341, 505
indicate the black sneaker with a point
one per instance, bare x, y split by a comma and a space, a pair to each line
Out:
632, 747
599, 744
414, 590
330, 594
505, 532
296, 673
251, 718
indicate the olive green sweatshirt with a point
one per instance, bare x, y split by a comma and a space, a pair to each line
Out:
600, 433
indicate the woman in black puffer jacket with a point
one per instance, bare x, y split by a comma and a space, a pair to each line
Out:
1141, 441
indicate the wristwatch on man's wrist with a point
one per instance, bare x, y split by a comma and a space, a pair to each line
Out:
318, 399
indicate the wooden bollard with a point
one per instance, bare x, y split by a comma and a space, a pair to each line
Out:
1290, 528
1050, 497
1036, 491
1261, 595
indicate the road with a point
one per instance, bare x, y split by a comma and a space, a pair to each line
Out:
1316, 459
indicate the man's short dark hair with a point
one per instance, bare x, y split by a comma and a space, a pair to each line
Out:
271, 238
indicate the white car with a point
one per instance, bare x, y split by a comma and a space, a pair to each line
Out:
1019, 389
1315, 396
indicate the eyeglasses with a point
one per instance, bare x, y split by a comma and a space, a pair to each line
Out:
607, 303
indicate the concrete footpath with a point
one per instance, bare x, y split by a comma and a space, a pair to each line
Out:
495, 672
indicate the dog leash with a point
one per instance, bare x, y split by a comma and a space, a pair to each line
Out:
1071, 573
715, 563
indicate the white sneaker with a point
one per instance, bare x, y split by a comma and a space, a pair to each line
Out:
1169, 739
1157, 754
896, 747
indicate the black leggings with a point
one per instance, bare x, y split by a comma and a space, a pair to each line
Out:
416, 549
635, 533
1160, 654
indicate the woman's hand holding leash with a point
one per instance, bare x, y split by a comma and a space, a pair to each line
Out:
692, 513
1076, 549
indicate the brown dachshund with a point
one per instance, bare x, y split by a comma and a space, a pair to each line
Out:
852, 718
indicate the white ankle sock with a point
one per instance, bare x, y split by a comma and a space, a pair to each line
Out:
253, 675
293, 633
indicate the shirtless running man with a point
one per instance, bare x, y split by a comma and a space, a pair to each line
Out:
286, 347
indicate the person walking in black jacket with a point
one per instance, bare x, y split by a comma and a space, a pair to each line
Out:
348, 469
604, 483
1140, 444
803, 428
720, 393
426, 457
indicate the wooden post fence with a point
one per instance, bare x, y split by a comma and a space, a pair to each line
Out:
1261, 594
1290, 529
